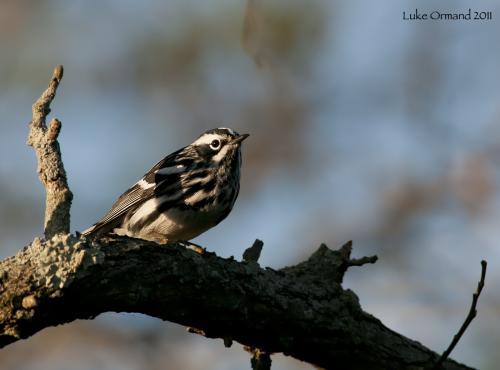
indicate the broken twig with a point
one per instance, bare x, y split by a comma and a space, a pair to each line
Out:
470, 316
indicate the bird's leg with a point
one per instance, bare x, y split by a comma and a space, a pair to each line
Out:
194, 247
162, 239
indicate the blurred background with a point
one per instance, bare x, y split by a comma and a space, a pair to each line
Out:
363, 126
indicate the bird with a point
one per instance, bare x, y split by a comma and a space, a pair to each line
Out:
186, 193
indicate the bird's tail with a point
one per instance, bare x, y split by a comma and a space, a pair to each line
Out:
98, 229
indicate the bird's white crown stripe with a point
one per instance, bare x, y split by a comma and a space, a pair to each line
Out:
231, 131
207, 139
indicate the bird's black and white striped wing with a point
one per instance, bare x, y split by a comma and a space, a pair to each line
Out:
127, 202
137, 195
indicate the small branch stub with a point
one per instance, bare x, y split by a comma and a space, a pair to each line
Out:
50, 166
252, 254
261, 360
54, 130
362, 261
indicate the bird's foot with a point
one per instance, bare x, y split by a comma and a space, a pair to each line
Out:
194, 247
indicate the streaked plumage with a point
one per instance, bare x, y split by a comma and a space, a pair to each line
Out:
183, 195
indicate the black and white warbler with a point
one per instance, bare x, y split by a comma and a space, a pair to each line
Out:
183, 195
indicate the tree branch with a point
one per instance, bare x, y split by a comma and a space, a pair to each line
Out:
50, 166
301, 310
470, 316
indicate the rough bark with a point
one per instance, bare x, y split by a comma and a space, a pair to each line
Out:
50, 165
302, 311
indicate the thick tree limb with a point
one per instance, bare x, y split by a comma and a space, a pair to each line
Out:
50, 166
301, 311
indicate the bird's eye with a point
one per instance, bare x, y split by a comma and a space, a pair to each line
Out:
215, 144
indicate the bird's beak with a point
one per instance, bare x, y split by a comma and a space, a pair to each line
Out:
239, 139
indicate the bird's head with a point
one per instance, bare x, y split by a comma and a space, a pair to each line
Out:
219, 144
